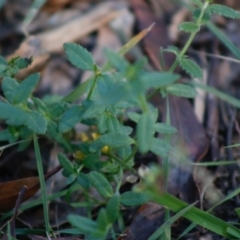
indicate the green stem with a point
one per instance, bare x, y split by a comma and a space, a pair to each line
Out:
42, 184
190, 39
132, 154
119, 181
92, 87
185, 48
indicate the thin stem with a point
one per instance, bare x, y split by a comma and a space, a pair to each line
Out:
119, 181
92, 87
190, 39
185, 48
132, 154
42, 184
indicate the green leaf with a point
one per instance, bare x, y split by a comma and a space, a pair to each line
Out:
197, 2
224, 39
52, 130
111, 91
116, 60
13, 115
101, 124
84, 181
181, 90
103, 224
66, 163
112, 208
36, 122
2, 69
189, 27
224, 11
190, 67
115, 140
79, 56
160, 147
172, 49
223, 96
93, 111
6, 135
70, 118
9, 85
134, 116
112, 124
85, 225
25, 88
56, 109
79, 91
101, 184
40, 106
2, 61
159, 79
205, 18
170, 221
131, 198
145, 130
23, 62
197, 216
164, 128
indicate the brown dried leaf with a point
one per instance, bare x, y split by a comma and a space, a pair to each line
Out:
9, 191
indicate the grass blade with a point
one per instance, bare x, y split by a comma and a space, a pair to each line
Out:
197, 216
170, 221
224, 39
42, 184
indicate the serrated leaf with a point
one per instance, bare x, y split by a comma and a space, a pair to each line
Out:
79, 56
158, 79
9, 85
145, 130
113, 208
224, 11
181, 90
160, 147
131, 198
36, 122
70, 118
25, 88
85, 225
13, 115
190, 67
188, 27
66, 163
164, 128
101, 184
